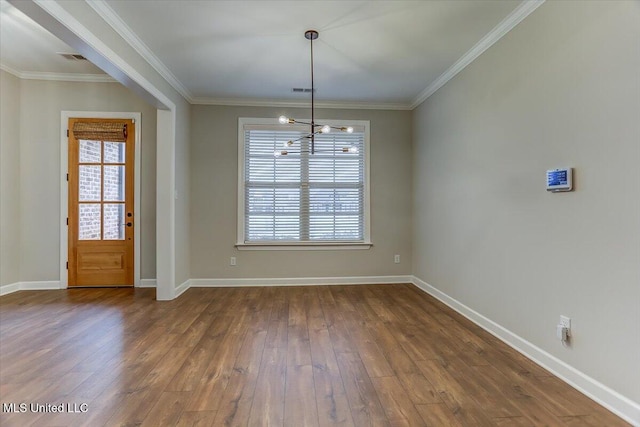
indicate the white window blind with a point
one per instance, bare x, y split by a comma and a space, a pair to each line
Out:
303, 197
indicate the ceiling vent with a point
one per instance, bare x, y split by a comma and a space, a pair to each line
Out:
302, 90
72, 56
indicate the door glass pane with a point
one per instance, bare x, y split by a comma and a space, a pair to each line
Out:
113, 221
114, 152
90, 151
89, 183
89, 221
114, 183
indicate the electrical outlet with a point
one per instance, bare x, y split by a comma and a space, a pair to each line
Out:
562, 333
565, 322
396, 259
232, 261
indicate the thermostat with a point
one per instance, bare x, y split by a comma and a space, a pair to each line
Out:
559, 180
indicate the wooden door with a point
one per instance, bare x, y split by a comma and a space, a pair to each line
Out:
101, 250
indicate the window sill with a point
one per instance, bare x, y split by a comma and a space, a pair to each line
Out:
302, 246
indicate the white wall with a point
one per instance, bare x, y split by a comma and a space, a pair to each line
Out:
9, 178
561, 89
41, 105
214, 175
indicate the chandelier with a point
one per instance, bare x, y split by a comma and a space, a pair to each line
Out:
314, 128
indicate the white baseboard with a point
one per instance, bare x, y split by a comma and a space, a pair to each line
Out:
40, 286
147, 283
299, 281
180, 289
610, 399
9, 288
218, 283
30, 286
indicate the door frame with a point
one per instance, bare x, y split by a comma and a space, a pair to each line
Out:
64, 190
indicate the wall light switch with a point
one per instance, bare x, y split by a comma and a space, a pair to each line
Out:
232, 261
396, 259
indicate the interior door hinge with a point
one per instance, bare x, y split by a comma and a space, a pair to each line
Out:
67, 177
67, 265
67, 220
67, 133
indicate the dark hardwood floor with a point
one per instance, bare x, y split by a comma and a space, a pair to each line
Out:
293, 356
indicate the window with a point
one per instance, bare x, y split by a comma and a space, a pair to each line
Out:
302, 199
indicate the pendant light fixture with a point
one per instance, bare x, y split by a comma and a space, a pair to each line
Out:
314, 128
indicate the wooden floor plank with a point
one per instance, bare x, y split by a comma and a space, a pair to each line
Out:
298, 351
372, 357
215, 376
196, 419
168, 409
277, 334
363, 399
279, 356
269, 399
490, 398
340, 338
300, 407
135, 406
417, 342
331, 398
235, 403
396, 402
453, 394
420, 391
516, 422
534, 412
437, 415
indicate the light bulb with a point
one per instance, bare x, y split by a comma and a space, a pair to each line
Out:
326, 129
353, 150
276, 154
283, 120
349, 129
289, 143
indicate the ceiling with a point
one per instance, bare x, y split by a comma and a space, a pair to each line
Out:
28, 50
381, 53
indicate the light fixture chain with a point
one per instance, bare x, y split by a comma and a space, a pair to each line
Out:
313, 123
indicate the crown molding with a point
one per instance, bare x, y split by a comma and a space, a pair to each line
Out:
58, 77
9, 70
507, 24
231, 102
245, 102
113, 19
68, 77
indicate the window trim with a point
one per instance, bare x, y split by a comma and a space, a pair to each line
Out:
240, 220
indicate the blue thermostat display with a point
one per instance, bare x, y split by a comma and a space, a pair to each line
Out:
559, 180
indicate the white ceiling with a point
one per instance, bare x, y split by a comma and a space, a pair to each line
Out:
385, 53
28, 50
